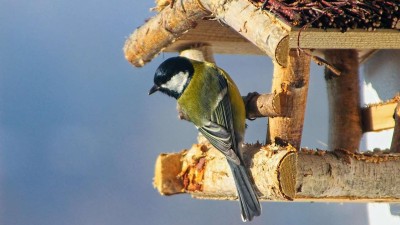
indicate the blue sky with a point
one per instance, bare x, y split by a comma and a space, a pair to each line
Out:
79, 135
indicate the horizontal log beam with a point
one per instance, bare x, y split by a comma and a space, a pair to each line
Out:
259, 27
282, 174
149, 40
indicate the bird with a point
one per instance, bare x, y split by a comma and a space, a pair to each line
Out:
208, 97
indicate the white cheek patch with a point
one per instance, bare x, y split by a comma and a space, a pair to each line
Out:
177, 82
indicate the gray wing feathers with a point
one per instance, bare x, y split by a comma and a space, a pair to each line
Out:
220, 139
220, 132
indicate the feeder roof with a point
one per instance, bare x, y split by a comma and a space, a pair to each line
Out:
271, 28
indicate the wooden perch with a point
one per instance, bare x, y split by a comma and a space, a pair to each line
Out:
344, 100
267, 105
293, 81
281, 173
260, 28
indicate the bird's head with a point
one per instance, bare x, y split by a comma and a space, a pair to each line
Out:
173, 76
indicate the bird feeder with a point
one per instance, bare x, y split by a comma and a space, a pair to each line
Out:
337, 34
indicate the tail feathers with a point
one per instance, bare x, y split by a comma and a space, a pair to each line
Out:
248, 199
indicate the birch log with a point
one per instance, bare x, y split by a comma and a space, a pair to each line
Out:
260, 28
162, 30
281, 173
266, 105
344, 100
292, 81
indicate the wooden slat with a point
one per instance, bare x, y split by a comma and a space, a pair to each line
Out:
354, 39
378, 116
225, 40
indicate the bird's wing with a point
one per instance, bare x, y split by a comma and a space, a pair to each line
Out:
219, 130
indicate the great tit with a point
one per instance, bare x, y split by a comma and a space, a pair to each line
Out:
209, 98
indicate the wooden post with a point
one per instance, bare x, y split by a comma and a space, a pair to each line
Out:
344, 100
199, 52
395, 146
293, 81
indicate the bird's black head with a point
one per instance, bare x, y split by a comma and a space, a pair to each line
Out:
173, 76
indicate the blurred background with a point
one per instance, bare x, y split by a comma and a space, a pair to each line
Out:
79, 135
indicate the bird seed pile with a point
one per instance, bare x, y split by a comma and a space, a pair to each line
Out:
341, 14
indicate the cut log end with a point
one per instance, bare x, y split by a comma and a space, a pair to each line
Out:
166, 179
282, 51
287, 176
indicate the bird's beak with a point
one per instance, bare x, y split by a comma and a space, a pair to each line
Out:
154, 89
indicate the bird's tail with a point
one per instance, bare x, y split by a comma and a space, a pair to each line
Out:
248, 199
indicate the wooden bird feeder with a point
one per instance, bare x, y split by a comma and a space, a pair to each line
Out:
338, 34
